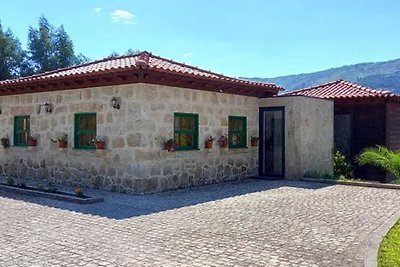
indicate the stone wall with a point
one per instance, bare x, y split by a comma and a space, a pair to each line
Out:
308, 134
133, 161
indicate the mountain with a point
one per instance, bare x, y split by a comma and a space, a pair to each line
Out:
379, 75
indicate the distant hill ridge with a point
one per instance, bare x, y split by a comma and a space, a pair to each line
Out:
379, 75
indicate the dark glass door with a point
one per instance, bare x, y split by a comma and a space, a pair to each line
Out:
272, 142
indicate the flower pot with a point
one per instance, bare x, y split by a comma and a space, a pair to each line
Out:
208, 144
32, 142
223, 144
100, 145
170, 147
254, 142
5, 142
62, 144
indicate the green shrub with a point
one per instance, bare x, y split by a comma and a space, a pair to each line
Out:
10, 181
51, 188
341, 166
381, 157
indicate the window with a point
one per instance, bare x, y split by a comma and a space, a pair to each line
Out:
21, 130
186, 130
85, 130
237, 132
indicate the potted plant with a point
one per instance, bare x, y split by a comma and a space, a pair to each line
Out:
5, 141
62, 141
99, 142
170, 145
32, 141
223, 141
78, 191
209, 142
254, 140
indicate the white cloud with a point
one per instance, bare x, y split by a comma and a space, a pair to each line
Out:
97, 10
122, 16
188, 54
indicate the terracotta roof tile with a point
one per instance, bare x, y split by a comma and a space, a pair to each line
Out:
341, 89
142, 60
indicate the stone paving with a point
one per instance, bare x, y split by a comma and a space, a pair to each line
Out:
248, 223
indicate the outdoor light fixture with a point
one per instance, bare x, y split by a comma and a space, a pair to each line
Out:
47, 107
115, 103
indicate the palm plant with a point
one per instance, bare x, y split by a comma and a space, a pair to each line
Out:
381, 157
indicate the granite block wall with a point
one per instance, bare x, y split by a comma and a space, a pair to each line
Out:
133, 161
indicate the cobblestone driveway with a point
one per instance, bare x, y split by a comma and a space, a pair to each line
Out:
249, 223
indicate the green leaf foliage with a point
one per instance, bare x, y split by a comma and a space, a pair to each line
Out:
49, 48
64, 48
381, 157
11, 55
341, 166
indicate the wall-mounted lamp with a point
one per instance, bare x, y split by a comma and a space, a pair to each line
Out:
48, 107
115, 103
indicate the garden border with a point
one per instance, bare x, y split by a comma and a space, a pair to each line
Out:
371, 253
36, 193
352, 183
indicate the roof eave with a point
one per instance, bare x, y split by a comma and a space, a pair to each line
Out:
133, 75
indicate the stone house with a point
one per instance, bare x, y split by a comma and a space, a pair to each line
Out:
135, 104
363, 117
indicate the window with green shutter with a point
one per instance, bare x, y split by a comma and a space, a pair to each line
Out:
21, 130
85, 130
186, 128
237, 132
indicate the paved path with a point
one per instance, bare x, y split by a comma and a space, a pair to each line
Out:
249, 223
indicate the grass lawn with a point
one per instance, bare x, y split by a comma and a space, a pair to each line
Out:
389, 250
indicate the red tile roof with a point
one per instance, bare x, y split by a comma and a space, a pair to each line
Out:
342, 90
140, 61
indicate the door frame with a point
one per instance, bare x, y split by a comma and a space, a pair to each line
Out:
261, 131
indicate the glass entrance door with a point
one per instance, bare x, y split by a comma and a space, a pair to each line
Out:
272, 142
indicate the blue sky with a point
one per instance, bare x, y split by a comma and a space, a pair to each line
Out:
238, 38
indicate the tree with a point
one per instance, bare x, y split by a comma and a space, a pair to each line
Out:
131, 51
80, 58
12, 56
381, 157
128, 52
51, 48
41, 46
113, 54
64, 49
